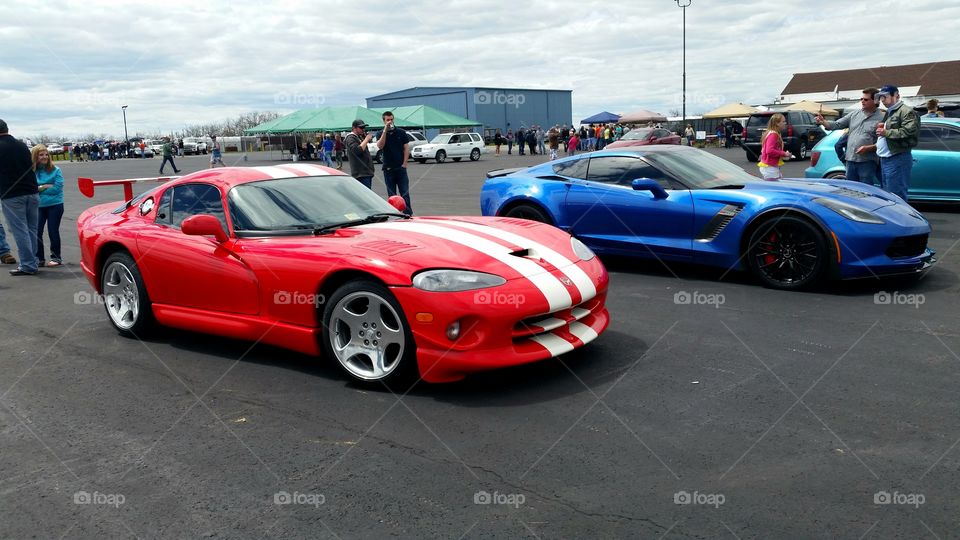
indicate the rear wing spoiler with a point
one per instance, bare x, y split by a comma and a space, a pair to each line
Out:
496, 173
87, 185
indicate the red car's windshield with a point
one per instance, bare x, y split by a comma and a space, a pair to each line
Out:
301, 203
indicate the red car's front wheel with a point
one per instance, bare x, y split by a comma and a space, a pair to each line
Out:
367, 332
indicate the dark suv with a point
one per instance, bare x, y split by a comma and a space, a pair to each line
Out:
800, 135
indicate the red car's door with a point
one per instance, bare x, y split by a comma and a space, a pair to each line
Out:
194, 271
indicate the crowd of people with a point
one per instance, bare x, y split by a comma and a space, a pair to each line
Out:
534, 140
329, 148
31, 195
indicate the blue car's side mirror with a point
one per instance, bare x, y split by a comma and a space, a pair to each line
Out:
648, 184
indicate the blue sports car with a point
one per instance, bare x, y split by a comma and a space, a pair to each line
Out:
677, 203
936, 161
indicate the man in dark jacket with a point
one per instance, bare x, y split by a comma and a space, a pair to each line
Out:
358, 153
896, 136
20, 199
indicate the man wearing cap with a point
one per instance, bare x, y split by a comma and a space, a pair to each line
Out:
361, 164
861, 146
897, 134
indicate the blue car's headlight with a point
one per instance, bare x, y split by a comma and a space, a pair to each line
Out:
455, 280
581, 249
849, 211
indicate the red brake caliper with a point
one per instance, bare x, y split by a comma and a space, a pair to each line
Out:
769, 258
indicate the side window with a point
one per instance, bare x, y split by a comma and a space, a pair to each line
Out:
572, 169
939, 139
612, 170
192, 199
163, 208
454, 139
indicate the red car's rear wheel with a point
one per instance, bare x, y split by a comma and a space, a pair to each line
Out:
125, 295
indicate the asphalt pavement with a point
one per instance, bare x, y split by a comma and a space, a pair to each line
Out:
711, 408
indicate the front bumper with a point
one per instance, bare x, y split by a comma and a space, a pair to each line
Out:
500, 326
865, 250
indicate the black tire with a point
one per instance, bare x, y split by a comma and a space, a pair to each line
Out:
788, 253
421, 160
441, 156
475, 154
379, 157
836, 176
115, 269
456, 159
752, 157
403, 369
801, 151
528, 211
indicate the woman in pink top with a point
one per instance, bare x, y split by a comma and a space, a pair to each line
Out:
572, 143
772, 154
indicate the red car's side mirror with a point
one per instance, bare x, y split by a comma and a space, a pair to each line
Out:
204, 225
397, 202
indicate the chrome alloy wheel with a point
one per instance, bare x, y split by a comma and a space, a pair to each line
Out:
121, 296
366, 335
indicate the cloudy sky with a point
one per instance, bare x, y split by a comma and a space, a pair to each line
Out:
67, 67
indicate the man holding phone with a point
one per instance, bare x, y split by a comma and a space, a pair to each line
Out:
861, 153
394, 143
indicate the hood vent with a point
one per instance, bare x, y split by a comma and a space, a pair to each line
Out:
387, 247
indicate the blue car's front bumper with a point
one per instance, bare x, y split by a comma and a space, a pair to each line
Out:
899, 246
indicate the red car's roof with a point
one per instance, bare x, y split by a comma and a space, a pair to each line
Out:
227, 177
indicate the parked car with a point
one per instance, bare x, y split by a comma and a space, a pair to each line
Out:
683, 204
54, 148
455, 146
644, 136
415, 138
194, 145
801, 134
155, 146
384, 295
936, 161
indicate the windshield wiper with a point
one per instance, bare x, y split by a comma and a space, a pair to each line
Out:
372, 218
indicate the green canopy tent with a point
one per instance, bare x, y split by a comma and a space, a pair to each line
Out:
425, 116
338, 119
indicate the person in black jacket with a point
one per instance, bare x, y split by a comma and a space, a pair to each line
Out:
20, 199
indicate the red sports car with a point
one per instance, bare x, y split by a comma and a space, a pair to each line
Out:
645, 136
305, 257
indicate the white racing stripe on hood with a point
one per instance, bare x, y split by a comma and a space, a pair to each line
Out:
555, 292
275, 172
578, 276
311, 170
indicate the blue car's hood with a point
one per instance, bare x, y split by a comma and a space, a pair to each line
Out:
861, 195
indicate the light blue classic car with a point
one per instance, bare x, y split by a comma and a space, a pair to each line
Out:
936, 160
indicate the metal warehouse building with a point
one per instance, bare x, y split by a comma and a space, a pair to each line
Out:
496, 108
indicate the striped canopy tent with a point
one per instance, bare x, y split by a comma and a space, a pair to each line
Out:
642, 116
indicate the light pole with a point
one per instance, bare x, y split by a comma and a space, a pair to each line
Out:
684, 5
126, 136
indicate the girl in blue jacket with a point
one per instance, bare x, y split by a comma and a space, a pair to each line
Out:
50, 183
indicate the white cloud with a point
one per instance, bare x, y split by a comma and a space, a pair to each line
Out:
68, 66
